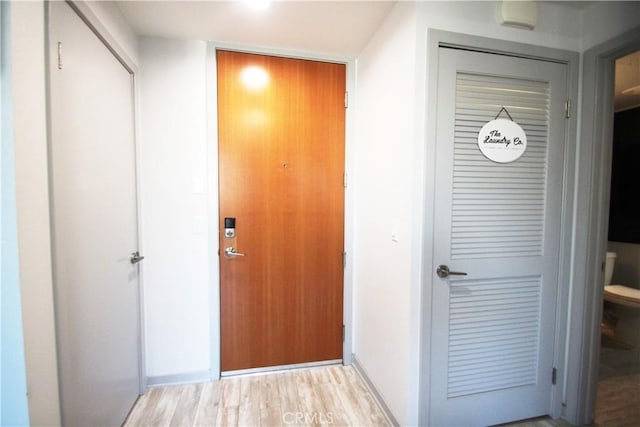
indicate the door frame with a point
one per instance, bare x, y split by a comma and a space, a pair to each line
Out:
212, 182
94, 23
435, 40
591, 221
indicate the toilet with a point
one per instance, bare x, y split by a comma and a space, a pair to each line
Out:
619, 294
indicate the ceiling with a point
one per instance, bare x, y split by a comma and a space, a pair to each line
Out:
333, 27
340, 28
627, 78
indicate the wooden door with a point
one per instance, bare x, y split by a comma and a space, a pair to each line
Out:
494, 329
281, 165
94, 221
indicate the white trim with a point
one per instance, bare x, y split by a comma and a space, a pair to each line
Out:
90, 18
591, 220
212, 207
177, 379
374, 391
349, 215
285, 53
271, 369
135, 88
349, 206
435, 39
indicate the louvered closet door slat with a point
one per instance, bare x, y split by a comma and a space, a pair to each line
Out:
498, 211
490, 185
493, 334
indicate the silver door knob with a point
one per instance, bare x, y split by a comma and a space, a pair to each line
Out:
443, 271
230, 252
136, 257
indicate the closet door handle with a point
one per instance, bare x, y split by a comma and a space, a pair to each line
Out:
136, 257
443, 271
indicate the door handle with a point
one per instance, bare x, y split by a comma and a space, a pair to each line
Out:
230, 252
443, 271
136, 257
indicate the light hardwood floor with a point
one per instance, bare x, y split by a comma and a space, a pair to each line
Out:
618, 402
538, 422
334, 395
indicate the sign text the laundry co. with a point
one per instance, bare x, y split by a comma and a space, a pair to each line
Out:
502, 141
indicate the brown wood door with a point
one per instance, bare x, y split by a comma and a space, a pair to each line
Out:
281, 165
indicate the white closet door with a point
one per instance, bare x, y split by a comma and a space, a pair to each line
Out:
493, 329
93, 196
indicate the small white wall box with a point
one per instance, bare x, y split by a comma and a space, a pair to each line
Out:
520, 14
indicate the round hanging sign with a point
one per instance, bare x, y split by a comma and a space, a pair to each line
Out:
502, 141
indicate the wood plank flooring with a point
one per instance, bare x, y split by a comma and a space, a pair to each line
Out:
538, 422
334, 395
618, 402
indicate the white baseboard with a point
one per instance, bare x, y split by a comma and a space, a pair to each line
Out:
176, 379
374, 392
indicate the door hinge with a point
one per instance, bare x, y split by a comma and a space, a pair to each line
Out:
343, 333
59, 55
567, 109
345, 180
344, 260
554, 375
346, 100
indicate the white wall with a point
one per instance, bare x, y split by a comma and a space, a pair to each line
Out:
174, 190
558, 24
112, 19
391, 169
33, 211
604, 20
32, 198
14, 409
384, 153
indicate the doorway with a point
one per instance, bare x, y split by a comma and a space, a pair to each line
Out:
281, 186
619, 367
591, 230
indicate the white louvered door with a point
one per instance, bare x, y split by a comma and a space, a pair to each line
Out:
494, 329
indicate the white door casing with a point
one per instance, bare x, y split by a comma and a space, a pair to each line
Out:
493, 330
94, 219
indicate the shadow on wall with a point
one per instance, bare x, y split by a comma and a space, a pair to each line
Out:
627, 267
